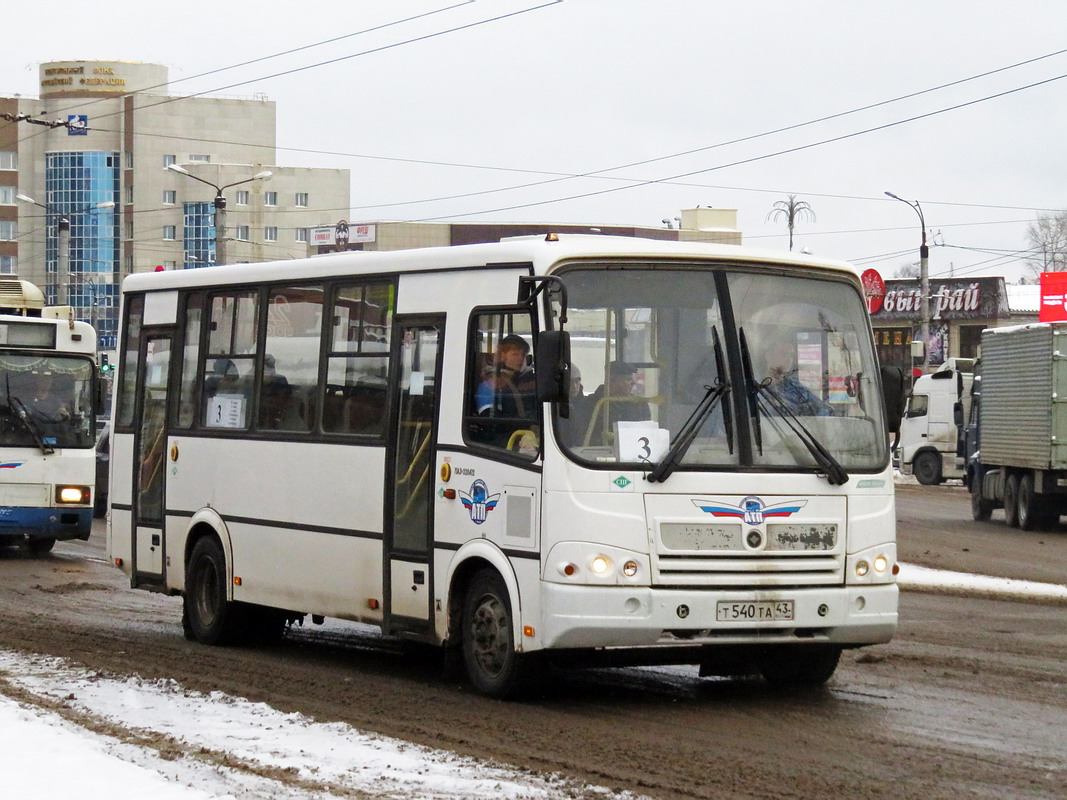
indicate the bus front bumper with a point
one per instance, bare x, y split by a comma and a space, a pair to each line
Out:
614, 616
20, 524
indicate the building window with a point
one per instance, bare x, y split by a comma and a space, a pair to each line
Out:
170, 265
129, 229
168, 160
7, 195
199, 158
270, 233
128, 194
9, 265
240, 197
270, 198
241, 232
301, 199
129, 159
170, 197
8, 230
170, 232
300, 235
9, 160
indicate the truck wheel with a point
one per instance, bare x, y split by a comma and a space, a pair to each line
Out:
927, 468
493, 666
1031, 509
1011, 501
981, 509
208, 616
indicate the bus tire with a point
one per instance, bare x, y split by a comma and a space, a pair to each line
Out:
40, 547
799, 666
208, 617
493, 666
927, 468
1011, 500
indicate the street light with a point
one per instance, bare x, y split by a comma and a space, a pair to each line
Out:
63, 249
220, 204
924, 281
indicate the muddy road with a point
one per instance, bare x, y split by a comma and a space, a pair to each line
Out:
969, 700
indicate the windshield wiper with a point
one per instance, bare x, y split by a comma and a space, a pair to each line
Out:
688, 433
835, 473
753, 387
16, 405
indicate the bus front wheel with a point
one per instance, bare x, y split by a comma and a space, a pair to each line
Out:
208, 616
493, 666
798, 666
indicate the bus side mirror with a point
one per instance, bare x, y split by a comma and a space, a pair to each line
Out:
893, 395
957, 414
553, 368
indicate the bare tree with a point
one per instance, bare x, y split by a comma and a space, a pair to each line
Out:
1048, 239
793, 211
912, 270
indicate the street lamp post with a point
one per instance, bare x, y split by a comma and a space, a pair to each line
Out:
63, 250
924, 281
220, 204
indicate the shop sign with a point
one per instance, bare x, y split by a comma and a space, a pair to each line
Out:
973, 299
1053, 297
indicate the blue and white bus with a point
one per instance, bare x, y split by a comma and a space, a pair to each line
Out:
48, 407
399, 438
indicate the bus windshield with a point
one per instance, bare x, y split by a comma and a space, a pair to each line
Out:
46, 401
722, 369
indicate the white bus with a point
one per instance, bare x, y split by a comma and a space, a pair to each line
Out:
354, 436
48, 402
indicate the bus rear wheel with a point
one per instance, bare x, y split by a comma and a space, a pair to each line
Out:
493, 666
208, 617
1011, 501
801, 666
40, 547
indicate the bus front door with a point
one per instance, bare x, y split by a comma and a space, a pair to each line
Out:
151, 447
411, 459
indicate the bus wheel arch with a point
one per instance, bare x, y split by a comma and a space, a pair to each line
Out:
484, 622
209, 614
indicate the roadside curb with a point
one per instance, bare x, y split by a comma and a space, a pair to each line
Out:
938, 581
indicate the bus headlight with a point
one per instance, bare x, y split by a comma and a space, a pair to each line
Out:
73, 495
862, 568
629, 569
881, 564
600, 565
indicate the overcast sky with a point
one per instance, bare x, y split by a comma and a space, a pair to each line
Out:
454, 114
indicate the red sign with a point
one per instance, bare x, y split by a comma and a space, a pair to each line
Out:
873, 290
1053, 297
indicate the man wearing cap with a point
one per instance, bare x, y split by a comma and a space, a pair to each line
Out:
508, 387
620, 404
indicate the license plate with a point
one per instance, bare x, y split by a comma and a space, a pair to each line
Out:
756, 611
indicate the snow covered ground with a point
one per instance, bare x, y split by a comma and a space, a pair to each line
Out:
190, 746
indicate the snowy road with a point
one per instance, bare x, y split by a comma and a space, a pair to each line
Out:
969, 700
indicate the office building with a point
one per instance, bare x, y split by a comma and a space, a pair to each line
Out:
86, 195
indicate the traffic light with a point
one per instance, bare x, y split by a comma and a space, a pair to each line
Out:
105, 365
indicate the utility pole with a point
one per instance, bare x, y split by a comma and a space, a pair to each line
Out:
924, 282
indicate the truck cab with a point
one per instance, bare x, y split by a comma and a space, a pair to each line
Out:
929, 431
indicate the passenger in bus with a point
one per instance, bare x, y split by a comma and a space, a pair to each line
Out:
782, 377
616, 402
581, 410
223, 378
507, 388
